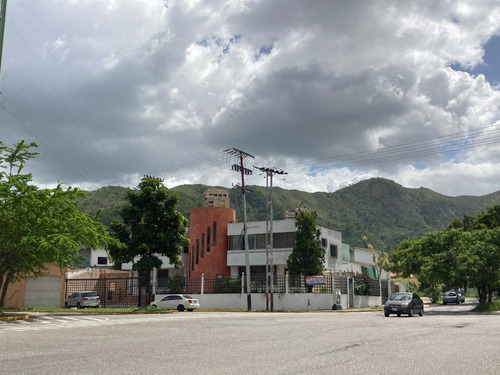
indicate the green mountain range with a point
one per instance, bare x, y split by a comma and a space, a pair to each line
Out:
380, 209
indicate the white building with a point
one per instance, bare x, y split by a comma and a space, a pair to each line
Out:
283, 242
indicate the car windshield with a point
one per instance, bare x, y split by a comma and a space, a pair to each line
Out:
400, 297
187, 297
452, 294
90, 294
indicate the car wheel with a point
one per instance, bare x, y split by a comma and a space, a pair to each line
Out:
421, 313
66, 306
386, 314
410, 313
399, 314
180, 308
78, 306
458, 302
445, 303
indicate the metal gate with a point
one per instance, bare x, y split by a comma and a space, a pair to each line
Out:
113, 292
385, 291
350, 285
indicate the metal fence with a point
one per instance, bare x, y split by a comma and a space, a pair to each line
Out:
131, 291
113, 292
363, 285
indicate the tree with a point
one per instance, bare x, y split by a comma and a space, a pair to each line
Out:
307, 255
39, 226
466, 253
381, 261
150, 226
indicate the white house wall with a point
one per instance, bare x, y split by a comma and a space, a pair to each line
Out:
257, 257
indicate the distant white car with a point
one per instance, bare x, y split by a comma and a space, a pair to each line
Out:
179, 302
82, 299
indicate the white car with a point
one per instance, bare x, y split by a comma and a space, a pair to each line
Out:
178, 302
82, 299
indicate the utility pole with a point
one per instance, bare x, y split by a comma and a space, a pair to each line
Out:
269, 232
244, 171
3, 13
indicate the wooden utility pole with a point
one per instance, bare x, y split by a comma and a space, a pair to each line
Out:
244, 171
3, 13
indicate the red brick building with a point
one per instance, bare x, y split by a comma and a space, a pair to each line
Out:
208, 241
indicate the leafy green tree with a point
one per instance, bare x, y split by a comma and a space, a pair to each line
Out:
150, 226
39, 226
468, 252
480, 256
381, 261
308, 255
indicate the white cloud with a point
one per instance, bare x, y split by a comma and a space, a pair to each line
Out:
113, 90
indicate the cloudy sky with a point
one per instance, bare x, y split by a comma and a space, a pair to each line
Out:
330, 92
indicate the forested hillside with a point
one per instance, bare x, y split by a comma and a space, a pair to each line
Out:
380, 209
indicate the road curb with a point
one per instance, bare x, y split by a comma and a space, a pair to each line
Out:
4, 317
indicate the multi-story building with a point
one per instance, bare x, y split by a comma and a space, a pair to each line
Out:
283, 243
216, 198
208, 241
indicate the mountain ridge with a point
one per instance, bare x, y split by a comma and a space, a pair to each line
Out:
380, 209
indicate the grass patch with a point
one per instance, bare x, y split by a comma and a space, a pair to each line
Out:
487, 307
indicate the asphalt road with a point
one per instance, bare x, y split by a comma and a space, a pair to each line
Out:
447, 340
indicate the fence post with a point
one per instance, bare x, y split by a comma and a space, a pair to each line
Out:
348, 293
286, 282
155, 273
139, 294
202, 283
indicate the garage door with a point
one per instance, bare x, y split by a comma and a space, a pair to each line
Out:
43, 291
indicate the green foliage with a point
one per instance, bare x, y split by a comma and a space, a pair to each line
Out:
361, 285
307, 254
39, 226
227, 285
487, 307
176, 284
150, 226
466, 253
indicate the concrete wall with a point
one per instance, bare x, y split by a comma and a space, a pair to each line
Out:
17, 293
43, 291
282, 301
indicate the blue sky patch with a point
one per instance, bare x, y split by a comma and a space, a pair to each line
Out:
491, 66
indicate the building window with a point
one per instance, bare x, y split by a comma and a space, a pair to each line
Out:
323, 242
283, 240
258, 241
102, 260
251, 241
333, 251
208, 239
192, 259
203, 245
197, 251
214, 240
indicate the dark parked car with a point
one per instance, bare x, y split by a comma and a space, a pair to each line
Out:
453, 296
404, 303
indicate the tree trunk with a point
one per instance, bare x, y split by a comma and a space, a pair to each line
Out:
4, 285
